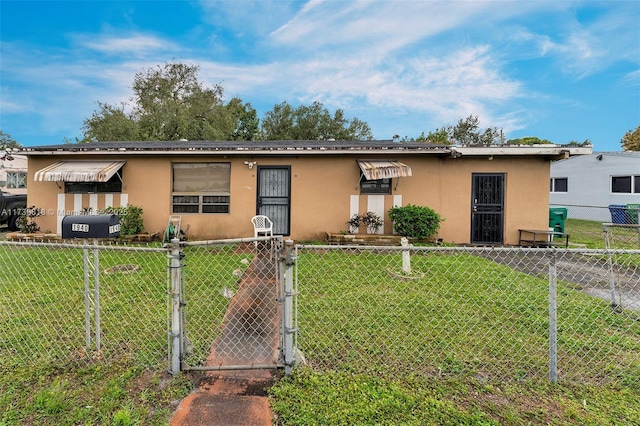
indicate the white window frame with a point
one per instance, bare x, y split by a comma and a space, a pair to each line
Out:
634, 188
552, 186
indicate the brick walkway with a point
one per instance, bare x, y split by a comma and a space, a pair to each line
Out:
249, 336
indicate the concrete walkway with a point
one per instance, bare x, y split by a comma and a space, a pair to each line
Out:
249, 337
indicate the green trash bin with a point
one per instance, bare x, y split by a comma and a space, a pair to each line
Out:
633, 211
557, 216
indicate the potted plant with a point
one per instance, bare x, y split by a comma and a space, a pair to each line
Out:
370, 220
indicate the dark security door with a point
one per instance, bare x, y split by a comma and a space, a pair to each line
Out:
274, 196
487, 208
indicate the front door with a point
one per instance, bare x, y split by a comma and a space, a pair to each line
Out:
487, 208
274, 196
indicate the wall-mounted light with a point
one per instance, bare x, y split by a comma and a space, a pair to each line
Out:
6, 156
599, 157
250, 164
491, 158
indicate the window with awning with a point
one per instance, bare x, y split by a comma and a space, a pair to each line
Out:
376, 175
79, 171
374, 170
82, 177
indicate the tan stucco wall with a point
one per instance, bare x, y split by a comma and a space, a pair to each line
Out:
321, 191
526, 195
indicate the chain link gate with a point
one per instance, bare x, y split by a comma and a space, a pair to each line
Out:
231, 305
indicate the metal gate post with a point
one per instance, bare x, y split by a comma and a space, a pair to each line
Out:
553, 319
176, 323
287, 309
612, 275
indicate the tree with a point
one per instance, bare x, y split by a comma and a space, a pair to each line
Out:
278, 123
631, 140
7, 142
245, 118
528, 140
110, 123
169, 103
586, 142
439, 137
313, 122
467, 132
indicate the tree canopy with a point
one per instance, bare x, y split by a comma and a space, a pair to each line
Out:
7, 142
313, 122
631, 140
170, 103
439, 137
528, 140
466, 132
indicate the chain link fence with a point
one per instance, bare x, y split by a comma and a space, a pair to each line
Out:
586, 225
85, 302
502, 313
490, 313
79, 303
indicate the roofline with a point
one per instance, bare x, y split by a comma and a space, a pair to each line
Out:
543, 149
263, 153
235, 148
298, 148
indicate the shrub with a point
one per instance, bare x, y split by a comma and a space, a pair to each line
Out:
131, 222
415, 221
354, 223
26, 221
372, 221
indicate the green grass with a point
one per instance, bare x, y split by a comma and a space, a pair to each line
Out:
464, 344
48, 376
590, 234
117, 392
311, 397
381, 350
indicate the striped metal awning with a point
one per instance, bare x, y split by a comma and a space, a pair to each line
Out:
79, 171
374, 170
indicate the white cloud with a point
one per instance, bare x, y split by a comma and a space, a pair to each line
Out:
632, 79
582, 49
130, 44
387, 60
447, 88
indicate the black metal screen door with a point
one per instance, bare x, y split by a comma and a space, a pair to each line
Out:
274, 196
487, 208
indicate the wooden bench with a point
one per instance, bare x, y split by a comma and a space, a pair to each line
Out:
542, 238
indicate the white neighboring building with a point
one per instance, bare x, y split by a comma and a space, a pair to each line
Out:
600, 179
13, 174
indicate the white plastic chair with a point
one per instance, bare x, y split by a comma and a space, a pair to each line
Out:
262, 225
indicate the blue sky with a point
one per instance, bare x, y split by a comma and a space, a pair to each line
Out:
559, 70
